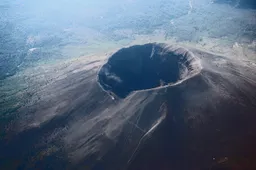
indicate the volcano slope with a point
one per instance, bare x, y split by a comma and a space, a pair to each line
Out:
151, 106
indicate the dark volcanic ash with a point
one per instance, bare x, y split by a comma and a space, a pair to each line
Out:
168, 108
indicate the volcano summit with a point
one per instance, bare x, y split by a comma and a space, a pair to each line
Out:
148, 66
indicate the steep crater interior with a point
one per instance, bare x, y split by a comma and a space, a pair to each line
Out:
147, 66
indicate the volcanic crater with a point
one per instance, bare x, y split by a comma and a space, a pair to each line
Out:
148, 66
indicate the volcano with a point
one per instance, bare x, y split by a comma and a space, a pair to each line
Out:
151, 106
